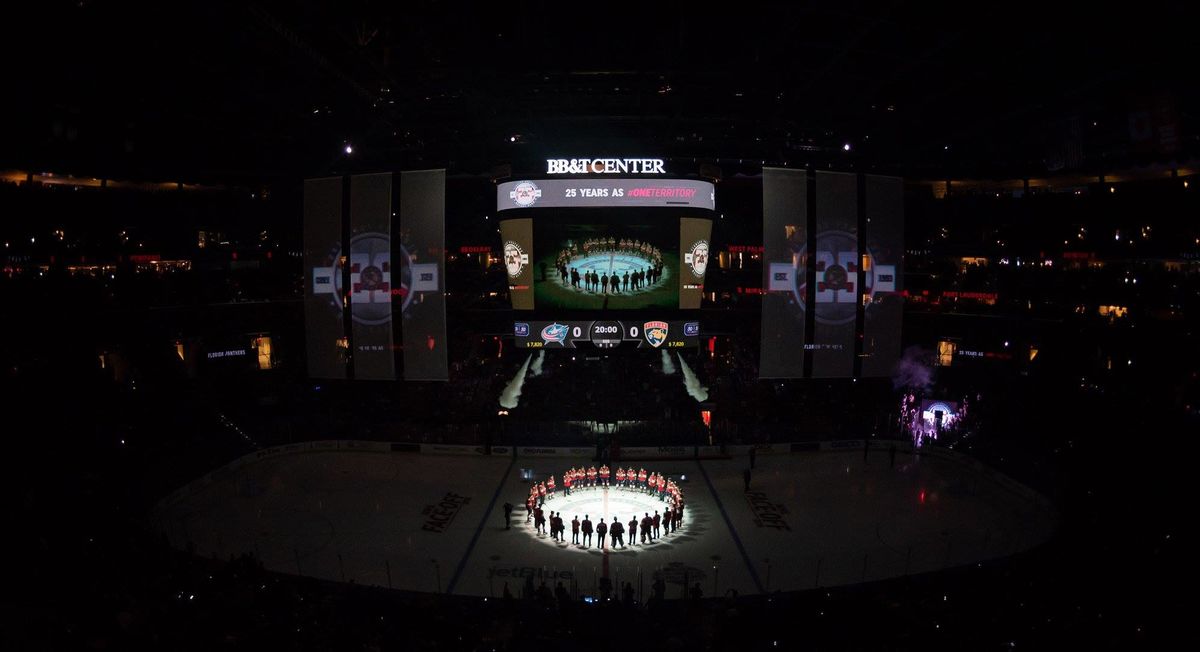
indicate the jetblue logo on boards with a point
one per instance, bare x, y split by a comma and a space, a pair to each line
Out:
521, 329
555, 332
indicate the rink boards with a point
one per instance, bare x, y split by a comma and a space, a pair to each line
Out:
435, 522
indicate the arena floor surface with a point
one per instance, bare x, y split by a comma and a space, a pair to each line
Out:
436, 523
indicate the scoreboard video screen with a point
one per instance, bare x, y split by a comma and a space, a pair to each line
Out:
616, 244
606, 263
606, 334
605, 193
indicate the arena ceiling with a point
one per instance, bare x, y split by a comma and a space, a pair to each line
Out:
224, 90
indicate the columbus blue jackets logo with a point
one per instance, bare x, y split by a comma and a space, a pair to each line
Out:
655, 332
555, 332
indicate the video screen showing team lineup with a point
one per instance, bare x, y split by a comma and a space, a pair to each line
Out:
615, 258
576, 248
606, 266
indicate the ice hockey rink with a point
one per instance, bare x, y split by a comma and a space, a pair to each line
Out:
435, 523
609, 263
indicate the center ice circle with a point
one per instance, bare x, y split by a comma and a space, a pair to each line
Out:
612, 263
624, 267
607, 503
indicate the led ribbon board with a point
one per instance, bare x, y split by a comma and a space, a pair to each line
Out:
605, 193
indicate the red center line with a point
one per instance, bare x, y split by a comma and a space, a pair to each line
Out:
604, 561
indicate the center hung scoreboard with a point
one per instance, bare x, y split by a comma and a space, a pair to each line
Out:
606, 334
606, 253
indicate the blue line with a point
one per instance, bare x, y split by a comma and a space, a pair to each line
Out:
479, 530
736, 539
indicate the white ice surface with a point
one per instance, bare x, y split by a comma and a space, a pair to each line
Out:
357, 516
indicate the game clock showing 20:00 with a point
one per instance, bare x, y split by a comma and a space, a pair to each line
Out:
606, 334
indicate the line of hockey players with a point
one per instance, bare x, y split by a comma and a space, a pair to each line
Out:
592, 478
621, 246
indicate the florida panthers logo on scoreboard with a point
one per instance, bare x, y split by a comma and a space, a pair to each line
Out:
696, 258
515, 259
655, 332
525, 194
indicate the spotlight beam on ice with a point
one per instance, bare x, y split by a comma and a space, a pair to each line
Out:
692, 383
535, 369
511, 395
668, 365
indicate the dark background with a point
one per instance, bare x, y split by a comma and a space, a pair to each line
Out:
1026, 133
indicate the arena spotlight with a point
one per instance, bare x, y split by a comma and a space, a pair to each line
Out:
846, 147
349, 149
